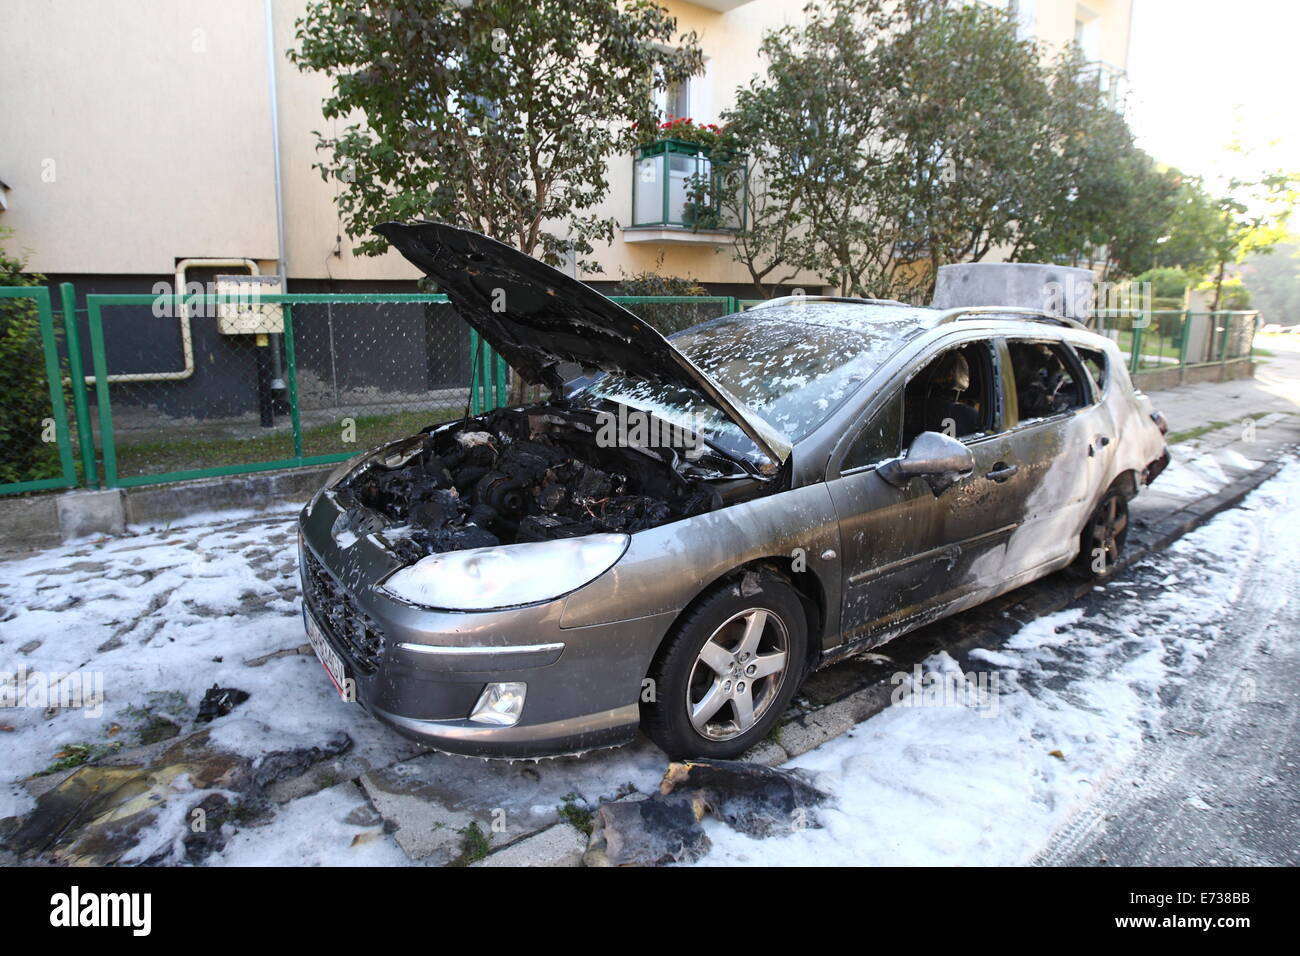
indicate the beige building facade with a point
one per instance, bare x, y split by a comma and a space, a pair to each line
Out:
139, 133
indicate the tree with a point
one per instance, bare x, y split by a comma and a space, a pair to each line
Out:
498, 116
1095, 196
1209, 233
24, 456
885, 139
965, 112
804, 136
1274, 282
1254, 216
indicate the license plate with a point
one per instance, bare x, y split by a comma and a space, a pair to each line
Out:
329, 658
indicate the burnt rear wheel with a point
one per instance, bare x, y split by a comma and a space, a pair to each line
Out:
1102, 540
728, 670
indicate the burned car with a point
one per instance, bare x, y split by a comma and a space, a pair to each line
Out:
687, 527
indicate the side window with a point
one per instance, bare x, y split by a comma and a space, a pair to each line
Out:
1046, 379
1094, 360
878, 440
953, 394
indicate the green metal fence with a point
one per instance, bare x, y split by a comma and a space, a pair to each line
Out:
292, 379
140, 389
1169, 338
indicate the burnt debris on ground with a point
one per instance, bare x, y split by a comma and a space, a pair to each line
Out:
520, 475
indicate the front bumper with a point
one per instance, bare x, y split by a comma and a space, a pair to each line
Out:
421, 671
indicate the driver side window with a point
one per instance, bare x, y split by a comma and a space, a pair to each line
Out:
952, 394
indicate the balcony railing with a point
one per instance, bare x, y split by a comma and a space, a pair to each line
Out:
678, 184
1111, 81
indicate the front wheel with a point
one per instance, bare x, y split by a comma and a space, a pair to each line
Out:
729, 670
1102, 540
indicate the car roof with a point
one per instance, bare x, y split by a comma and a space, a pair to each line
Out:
856, 313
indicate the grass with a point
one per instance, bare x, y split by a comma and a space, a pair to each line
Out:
578, 817
160, 717
1199, 430
474, 846
74, 755
158, 455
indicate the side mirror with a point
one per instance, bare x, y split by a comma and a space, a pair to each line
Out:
942, 461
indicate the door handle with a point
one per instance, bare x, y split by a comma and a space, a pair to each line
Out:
1002, 471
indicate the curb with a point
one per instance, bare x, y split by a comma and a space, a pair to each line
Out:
45, 521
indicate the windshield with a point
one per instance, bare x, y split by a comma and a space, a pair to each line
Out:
792, 365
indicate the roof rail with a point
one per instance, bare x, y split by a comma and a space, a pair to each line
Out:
787, 299
1032, 315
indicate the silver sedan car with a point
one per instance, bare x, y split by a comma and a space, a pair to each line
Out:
687, 527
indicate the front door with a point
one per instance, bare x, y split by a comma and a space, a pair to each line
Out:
907, 553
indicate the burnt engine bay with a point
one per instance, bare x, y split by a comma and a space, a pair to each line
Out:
532, 474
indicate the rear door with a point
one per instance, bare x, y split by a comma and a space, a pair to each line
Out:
1061, 435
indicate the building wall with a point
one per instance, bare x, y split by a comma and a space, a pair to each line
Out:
138, 132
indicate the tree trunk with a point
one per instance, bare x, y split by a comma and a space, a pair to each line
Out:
1218, 285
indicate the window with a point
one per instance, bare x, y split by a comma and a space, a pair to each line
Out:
1047, 379
879, 439
953, 394
677, 99
1094, 361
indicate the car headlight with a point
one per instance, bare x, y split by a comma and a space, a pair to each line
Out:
482, 579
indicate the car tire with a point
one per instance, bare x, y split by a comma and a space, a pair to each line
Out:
1102, 540
713, 691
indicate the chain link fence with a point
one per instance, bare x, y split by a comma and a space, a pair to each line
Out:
1170, 338
140, 389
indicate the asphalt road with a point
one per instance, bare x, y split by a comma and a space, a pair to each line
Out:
1218, 782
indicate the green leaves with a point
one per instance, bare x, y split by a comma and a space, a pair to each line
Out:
497, 116
887, 139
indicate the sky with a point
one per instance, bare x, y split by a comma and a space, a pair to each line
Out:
1204, 71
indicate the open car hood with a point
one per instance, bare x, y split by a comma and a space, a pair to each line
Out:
537, 318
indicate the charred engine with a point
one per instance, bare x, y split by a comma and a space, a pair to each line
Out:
535, 474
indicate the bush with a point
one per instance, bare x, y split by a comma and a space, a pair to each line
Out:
24, 392
666, 317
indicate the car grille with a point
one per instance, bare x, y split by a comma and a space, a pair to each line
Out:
349, 628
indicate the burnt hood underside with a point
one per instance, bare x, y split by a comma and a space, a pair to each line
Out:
537, 318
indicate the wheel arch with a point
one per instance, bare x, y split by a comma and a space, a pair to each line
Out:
806, 584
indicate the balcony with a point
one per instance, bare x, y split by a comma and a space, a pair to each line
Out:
1111, 81
677, 195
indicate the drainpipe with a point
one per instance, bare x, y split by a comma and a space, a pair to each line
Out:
281, 266
183, 314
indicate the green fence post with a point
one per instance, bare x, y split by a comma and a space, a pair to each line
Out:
1135, 360
473, 371
100, 364
1184, 334
291, 373
80, 404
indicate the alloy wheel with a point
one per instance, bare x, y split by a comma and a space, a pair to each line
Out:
737, 674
